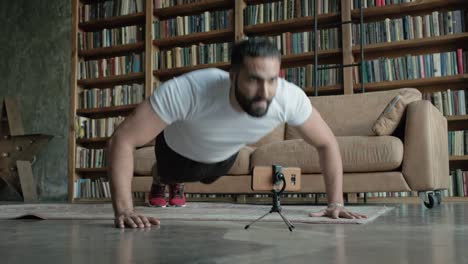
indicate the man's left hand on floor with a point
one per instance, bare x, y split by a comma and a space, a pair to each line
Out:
337, 212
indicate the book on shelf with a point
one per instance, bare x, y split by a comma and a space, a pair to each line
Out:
412, 67
85, 188
438, 23
458, 183
458, 142
110, 37
377, 3
303, 42
114, 66
449, 102
90, 158
192, 55
304, 76
97, 128
111, 8
287, 9
185, 25
125, 94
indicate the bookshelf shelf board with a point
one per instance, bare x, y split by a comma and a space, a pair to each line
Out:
414, 46
302, 59
399, 10
168, 73
108, 51
291, 25
113, 22
459, 158
112, 80
83, 141
106, 110
224, 35
91, 170
457, 118
460, 79
325, 90
192, 8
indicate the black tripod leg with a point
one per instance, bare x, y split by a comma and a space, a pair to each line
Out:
261, 217
290, 226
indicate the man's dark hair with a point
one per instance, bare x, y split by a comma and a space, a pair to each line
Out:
252, 47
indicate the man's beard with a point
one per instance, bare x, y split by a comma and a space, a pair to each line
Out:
247, 103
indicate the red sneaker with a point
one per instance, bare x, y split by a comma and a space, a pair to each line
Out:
176, 195
157, 195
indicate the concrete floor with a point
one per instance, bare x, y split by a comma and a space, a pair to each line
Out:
408, 234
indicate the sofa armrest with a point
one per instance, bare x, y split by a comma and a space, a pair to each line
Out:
425, 159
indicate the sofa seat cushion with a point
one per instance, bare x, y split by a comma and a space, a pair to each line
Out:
144, 159
242, 164
358, 153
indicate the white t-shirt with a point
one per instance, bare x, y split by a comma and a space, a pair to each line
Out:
203, 125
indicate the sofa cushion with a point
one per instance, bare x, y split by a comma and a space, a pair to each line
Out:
274, 136
390, 118
143, 160
358, 153
242, 164
351, 114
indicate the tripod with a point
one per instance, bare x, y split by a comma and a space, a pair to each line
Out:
275, 208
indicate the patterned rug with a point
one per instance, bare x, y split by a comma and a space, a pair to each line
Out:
192, 212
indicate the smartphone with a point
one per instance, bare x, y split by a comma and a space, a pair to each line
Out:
262, 179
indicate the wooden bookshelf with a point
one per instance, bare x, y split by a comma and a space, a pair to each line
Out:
90, 54
121, 21
77, 86
332, 56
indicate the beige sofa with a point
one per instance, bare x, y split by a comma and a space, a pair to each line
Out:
413, 158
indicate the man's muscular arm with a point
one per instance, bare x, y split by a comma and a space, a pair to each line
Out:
136, 130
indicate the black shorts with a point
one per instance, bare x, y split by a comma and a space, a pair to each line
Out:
175, 168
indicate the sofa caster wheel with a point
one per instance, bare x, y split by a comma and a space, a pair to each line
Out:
430, 201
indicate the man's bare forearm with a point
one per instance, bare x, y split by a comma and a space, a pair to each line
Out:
332, 169
120, 175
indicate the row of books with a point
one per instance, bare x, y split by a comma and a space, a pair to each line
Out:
125, 94
111, 66
169, 3
185, 25
449, 102
411, 27
413, 67
110, 37
193, 55
302, 42
304, 76
106, 9
376, 3
96, 128
287, 9
458, 142
86, 188
458, 183
90, 158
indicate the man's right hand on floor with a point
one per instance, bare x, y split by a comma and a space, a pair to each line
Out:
134, 220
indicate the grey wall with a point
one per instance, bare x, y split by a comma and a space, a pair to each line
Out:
35, 67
